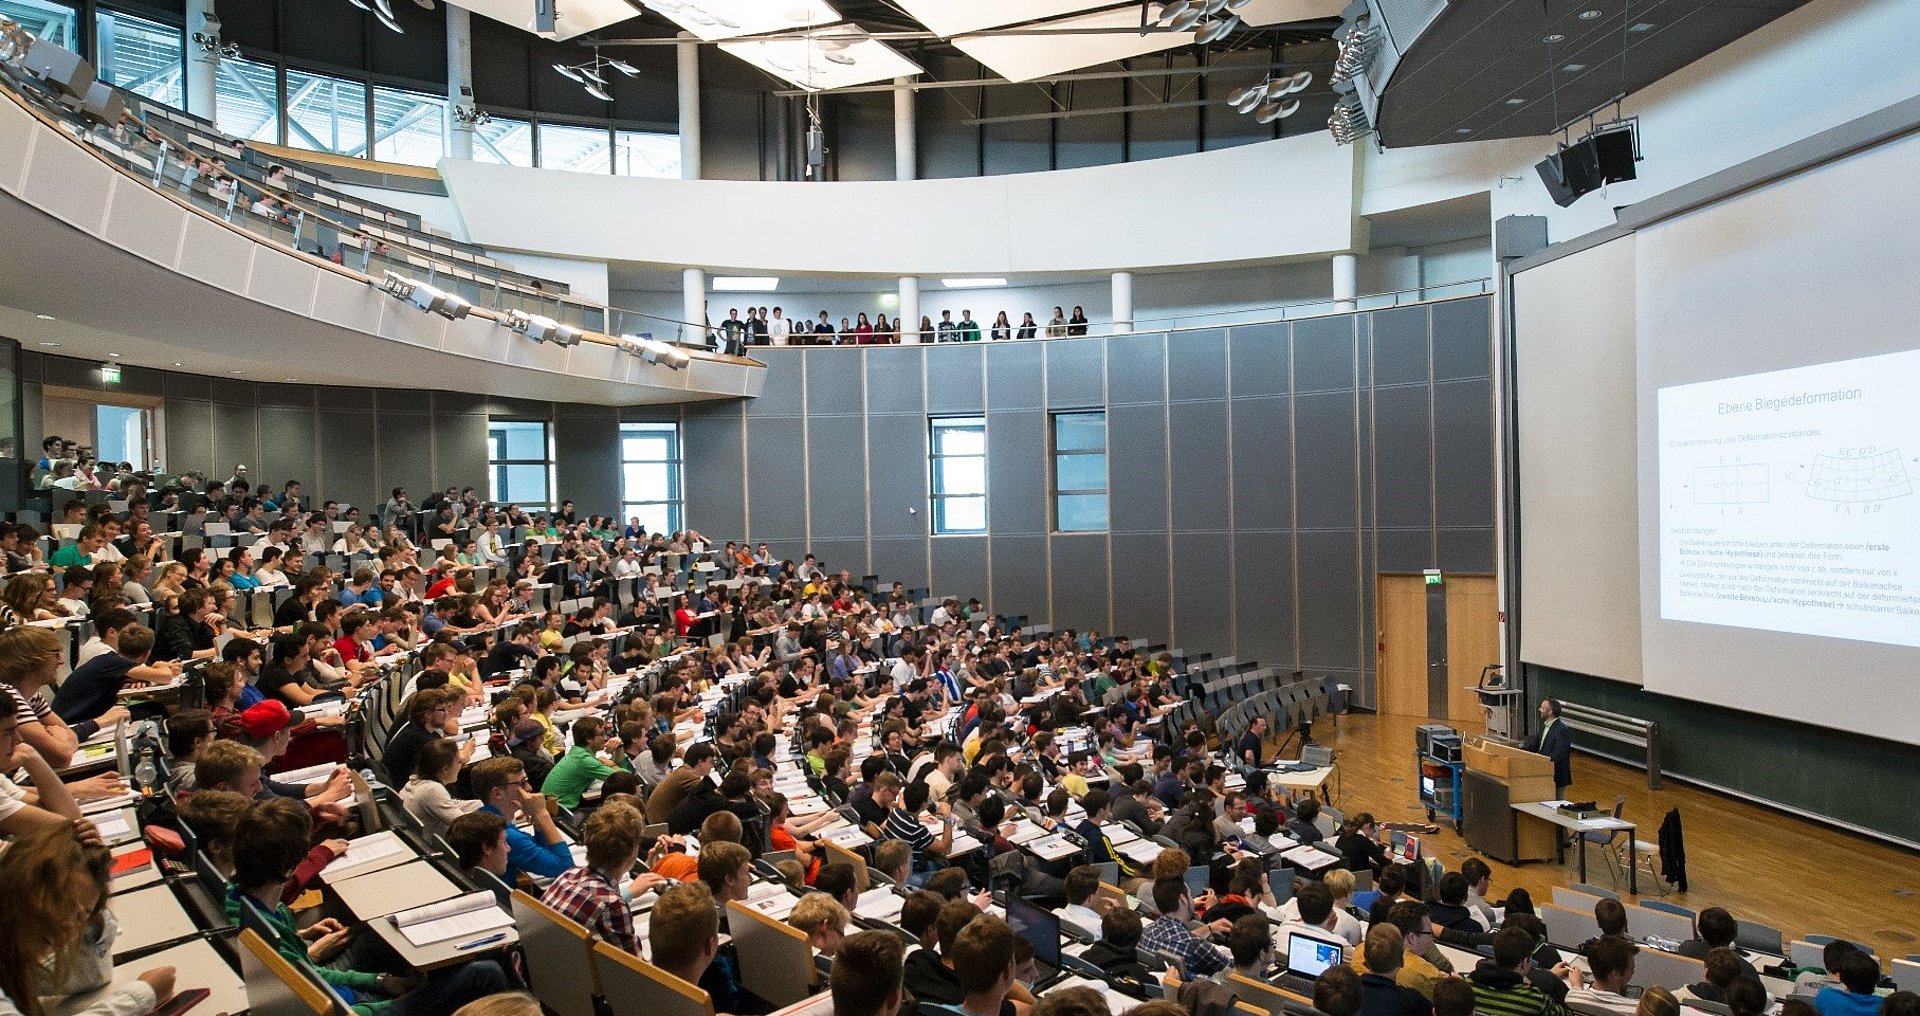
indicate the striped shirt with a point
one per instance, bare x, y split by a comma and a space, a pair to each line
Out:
903, 826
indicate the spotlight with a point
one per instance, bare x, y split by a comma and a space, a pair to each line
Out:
593, 74
387, 20
1169, 11
599, 93
1214, 31
1272, 111
834, 51
624, 67
570, 74
1185, 20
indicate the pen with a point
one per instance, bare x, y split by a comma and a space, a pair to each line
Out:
478, 942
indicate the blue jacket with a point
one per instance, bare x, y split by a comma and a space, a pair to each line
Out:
524, 853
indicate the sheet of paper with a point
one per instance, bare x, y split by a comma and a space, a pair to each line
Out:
470, 922
364, 851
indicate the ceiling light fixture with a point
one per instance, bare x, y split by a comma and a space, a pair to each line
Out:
115, 356
1268, 101
1589, 15
746, 284
974, 283
1516, 102
1573, 68
49, 343
1640, 26
588, 74
45, 317
1555, 37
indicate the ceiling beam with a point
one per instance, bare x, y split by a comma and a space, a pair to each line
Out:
1157, 72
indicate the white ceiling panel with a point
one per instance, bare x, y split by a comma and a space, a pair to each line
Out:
714, 20
1261, 13
833, 57
1025, 57
577, 17
956, 17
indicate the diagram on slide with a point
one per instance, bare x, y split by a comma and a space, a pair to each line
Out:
1855, 478
1732, 483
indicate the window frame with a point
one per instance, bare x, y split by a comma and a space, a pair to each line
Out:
937, 496
676, 501
496, 465
1054, 456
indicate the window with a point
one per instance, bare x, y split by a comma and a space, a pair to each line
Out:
54, 22
1079, 472
326, 114
504, 141
638, 153
575, 149
519, 463
959, 469
143, 57
650, 475
123, 434
409, 127
246, 96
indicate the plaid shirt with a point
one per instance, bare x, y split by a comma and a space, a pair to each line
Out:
1199, 958
593, 899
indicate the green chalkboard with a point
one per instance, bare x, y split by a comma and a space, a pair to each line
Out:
1862, 781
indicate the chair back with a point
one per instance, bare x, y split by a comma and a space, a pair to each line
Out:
369, 809
1265, 997
275, 987
775, 961
1906, 975
1803, 953
1568, 928
1574, 899
556, 947
635, 987
1644, 920
861, 880
817, 1005
1594, 890
1758, 937
1671, 971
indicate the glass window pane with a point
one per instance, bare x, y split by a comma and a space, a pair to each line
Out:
639, 153
1081, 513
575, 149
247, 100
524, 484
409, 127
326, 114
520, 439
959, 438
504, 141
960, 475
655, 518
143, 57
44, 20
960, 515
647, 481
1080, 472
1080, 432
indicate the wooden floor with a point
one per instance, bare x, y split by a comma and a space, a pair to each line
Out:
1760, 864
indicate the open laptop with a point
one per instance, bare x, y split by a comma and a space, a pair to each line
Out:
1307, 958
1041, 929
1199, 877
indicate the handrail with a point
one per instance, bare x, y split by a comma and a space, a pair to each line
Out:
1620, 727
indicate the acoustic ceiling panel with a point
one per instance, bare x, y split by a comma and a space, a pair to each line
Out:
714, 20
577, 17
949, 18
833, 57
1262, 13
1069, 44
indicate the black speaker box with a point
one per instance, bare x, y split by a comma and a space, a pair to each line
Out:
1613, 152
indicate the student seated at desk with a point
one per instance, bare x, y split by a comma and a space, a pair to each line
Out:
597, 895
45, 801
580, 767
684, 940
1859, 976
1501, 985
29, 660
866, 979
58, 924
426, 796
1715, 928
1117, 952
502, 784
479, 842
269, 841
824, 921
92, 691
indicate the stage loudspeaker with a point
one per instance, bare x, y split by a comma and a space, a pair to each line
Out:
1516, 236
1614, 154
1571, 172
59, 69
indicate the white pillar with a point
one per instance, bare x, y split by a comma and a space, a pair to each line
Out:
906, 153
693, 306
1346, 281
687, 54
201, 19
909, 309
459, 80
1122, 302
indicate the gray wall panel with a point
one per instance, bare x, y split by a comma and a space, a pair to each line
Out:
1463, 432
1400, 346
1136, 369
1080, 581
189, 436
894, 382
836, 477
459, 454
1259, 359
836, 388
198, 387
1197, 439
1403, 550
1330, 627
1197, 365
404, 443
1017, 473
1015, 375
1137, 468
1262, 464
959, 566
1263, 598
956, 378
1462, 339
287, 441
1325, 452
1323, 354
901, 561
1202, 588
714, 470
897, 477
344, 473
776, 479
1401, 471
1140, 586
1076, 373
786, 383
1466, 550
585, 438
837, 554
236, 438
1020, 576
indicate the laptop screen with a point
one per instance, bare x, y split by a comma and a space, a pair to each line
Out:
1308, 956
1198, 877
1041, 929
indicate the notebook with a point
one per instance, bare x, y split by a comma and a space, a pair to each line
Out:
473, 914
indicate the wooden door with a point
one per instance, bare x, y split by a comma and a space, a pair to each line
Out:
1401, 601
1473, 640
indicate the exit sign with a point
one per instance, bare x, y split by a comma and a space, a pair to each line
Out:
1434, 577
109, 374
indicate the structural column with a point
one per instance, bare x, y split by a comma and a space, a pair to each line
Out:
906, 153
909, 324
1346, 282
201, 20
687, 54
459, 80
693, 306
1122, 302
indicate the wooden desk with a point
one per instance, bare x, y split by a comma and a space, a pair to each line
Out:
149, 917
440, 954
197, 964
1313, 780
1607, 824
391, 890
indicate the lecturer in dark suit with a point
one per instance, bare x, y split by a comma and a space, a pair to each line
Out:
1555, 741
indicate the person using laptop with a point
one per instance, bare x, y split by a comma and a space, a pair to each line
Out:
1313, 905
1082, 883
1117, 952
1251, 943
1169, 932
